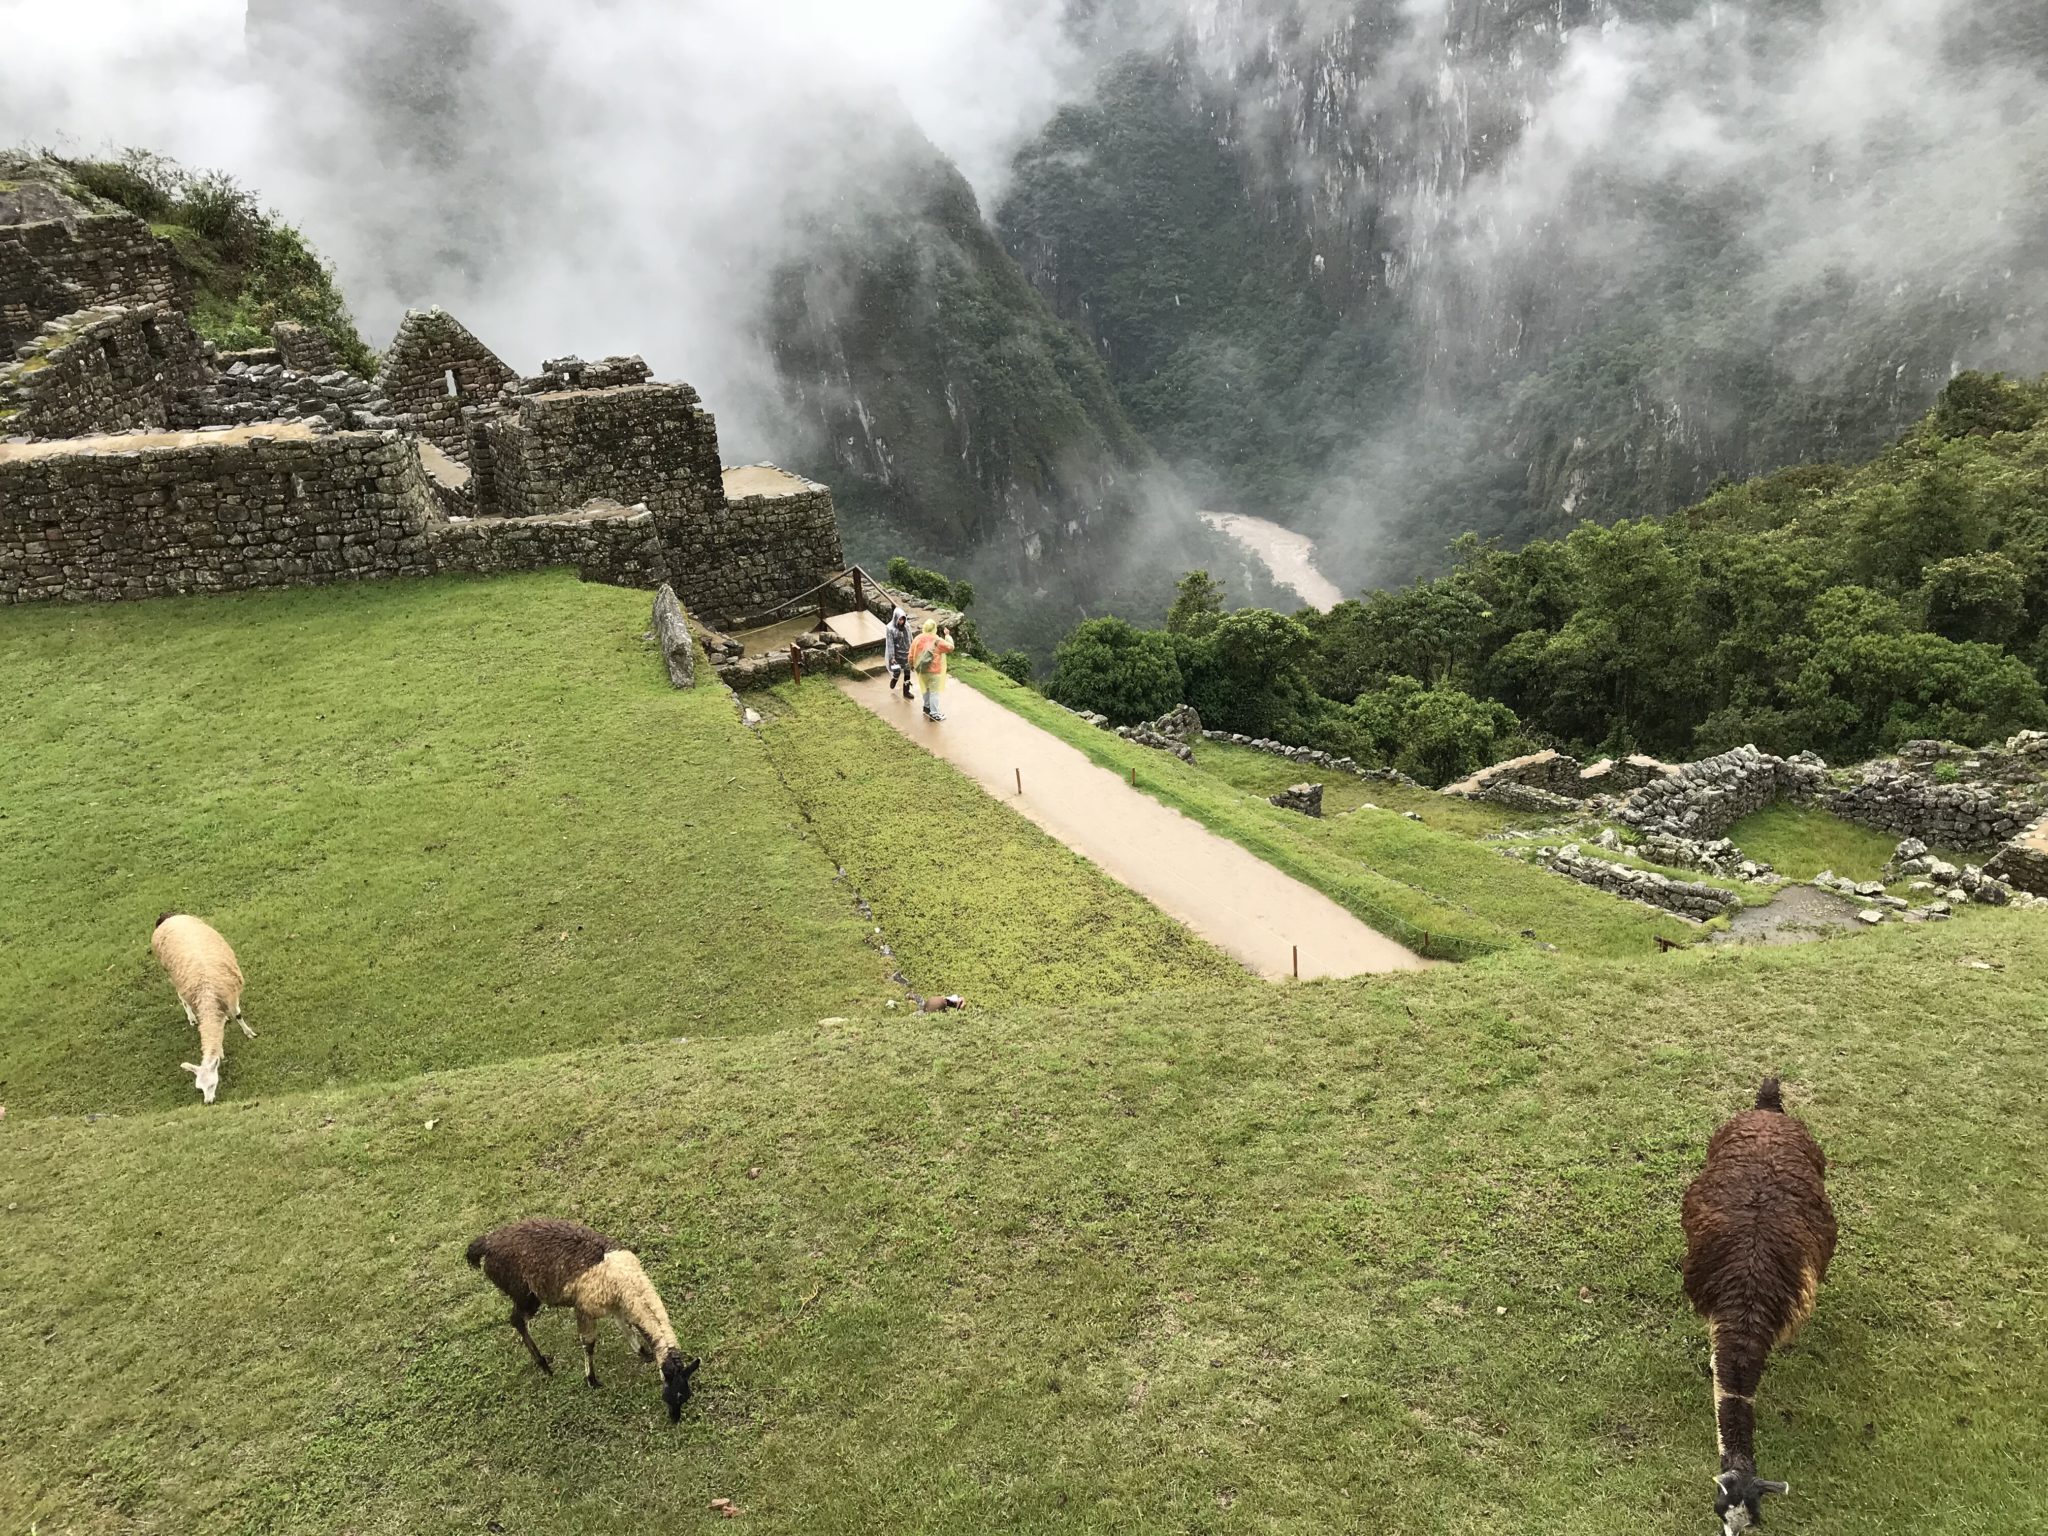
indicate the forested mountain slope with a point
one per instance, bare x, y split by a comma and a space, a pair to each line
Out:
1394, 272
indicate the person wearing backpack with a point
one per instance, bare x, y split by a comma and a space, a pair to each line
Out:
928, 653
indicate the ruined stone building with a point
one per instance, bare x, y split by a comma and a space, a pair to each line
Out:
137, 460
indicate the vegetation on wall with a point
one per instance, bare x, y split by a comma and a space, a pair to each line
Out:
249, 268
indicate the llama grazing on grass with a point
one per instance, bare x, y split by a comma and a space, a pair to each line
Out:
1759, 1233
209, 983
539, 1262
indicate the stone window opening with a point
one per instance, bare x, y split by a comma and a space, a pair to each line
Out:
454, 389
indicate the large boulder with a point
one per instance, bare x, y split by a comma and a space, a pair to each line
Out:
672, 629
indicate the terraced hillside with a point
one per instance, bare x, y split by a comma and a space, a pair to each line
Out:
1135, 1243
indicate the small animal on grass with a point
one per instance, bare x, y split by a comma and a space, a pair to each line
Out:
1759, 1233
944, 1004
541, 1262
209, 983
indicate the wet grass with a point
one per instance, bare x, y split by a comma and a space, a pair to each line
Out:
1395, 1254
427, 814
1801, 841
1262, 774
977, 900
1437, 891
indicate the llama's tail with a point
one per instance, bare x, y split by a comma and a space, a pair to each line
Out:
1770, 1096
477, 1249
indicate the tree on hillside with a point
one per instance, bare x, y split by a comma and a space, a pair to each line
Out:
1115, 669
1435, 734
1247, 673
1197, 605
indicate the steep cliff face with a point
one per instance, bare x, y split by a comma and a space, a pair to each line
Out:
1487, 264
931, 384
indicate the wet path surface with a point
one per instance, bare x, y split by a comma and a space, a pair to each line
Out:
1236, 901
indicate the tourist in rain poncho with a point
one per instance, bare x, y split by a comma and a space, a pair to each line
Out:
896, 651
928, 654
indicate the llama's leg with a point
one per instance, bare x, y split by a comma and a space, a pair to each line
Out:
586, 1330
246, 1030
519, 1316
637, 1341
190, 1017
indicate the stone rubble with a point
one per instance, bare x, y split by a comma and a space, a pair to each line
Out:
1693, 900
1305, 798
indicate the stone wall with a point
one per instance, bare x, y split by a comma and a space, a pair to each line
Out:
244, 510
431, 348
651, 443
251, 509
1691, 899
620, 546
1702, 800
752, 553
77, 260
1891, 797
1552, 772
99, 370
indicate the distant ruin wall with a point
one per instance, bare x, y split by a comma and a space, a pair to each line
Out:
651, 443
54, 267
752, 553
100, 370
432, 369
619, 546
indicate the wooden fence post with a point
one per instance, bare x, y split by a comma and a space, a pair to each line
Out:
796, 663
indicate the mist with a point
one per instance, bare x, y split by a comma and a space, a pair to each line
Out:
616, 176
1736, 214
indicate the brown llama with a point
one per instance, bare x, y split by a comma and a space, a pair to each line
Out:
1759, 1233
540, 1262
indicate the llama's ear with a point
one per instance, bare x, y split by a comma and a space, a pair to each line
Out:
1767, 1487
186, 1066
691, 1367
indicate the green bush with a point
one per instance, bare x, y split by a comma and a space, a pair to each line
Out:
1015, 665
1115, 669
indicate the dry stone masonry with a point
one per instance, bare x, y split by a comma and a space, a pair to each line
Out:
1690, 899
1305, 798
136, 460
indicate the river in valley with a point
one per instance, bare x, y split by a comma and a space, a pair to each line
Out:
1290, 556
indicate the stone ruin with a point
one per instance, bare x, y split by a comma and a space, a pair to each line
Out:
1970, 799
137, 460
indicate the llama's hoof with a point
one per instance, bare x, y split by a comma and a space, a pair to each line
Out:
590, 1381
246, 1030
547, 1366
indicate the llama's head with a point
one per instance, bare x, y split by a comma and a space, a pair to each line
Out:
205, 1077
675, 1381
1738, 1499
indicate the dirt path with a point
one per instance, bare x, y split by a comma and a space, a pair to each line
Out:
1233, 899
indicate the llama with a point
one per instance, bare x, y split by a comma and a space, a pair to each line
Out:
1759, 1233
209, 981
540, 1262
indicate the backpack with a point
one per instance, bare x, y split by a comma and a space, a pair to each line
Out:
926, 657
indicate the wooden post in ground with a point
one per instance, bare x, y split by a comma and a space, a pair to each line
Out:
796, 662
1020, 781
860, 596
1297, 962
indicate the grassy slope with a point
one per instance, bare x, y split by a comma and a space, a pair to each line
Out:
978, 900
1164, 1266
1800, 842
1261, 773
442, 823
1401, 877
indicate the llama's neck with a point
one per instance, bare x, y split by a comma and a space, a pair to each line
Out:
212, 1018
643, 1309
1737, 1372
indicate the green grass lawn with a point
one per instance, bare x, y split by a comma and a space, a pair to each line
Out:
1136, 1245
442, 822
1801, 841
1406, 879
1395, 1255
1262, 774
978, 900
